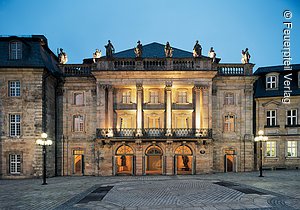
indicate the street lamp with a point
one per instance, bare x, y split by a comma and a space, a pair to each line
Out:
260, 138
44, 142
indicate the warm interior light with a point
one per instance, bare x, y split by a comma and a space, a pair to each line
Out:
260, 132
44, 135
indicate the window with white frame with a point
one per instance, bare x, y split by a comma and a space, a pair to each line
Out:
15, 50
126, 97
153, 97
15, 125
271, 118
229, 99
291, 117
14, 88
78, 98
182, 97
15, 164
292, 149
229, 123
271, 82
271, 148
78, 123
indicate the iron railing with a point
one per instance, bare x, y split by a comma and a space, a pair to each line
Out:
153, 133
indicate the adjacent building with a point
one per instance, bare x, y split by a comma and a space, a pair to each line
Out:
155, 113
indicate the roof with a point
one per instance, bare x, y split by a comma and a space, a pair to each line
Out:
260, 85
35, 53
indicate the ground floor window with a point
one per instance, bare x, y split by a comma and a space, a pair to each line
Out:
15, 163
271, 149
124, 160
292, 149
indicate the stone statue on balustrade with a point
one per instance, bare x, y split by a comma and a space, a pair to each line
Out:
212, 54
197, 51
138, 50
96, 54
245, 56
110, 50
168, 50
62, 57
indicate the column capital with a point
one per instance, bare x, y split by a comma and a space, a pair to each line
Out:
139, 86
168, 85
200, 87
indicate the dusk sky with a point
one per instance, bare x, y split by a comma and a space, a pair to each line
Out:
79, 27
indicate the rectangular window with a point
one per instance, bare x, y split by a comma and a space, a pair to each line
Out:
154, 97
291, 117
15, 163
292, 149
126, 97
271, 82
271, 118
182, 97
229, 99
182, 122
271, 149
78, 98
78, 123
229, 123
15, 125
153, 122
14, 88
15, 50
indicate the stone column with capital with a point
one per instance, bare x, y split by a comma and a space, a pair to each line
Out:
110, 107
168, 108
101, 105
139, 112
198, 103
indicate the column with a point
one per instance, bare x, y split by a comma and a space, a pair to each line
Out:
139, 112
168, 108
198, 103
101, 106
110, 108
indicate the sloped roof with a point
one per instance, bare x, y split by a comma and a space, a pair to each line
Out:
269, 69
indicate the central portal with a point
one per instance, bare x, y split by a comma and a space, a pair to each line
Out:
124, 160
154, 160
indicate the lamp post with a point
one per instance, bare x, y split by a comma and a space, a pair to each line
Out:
260, 138
44, 142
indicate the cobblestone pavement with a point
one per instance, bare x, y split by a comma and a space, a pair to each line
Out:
277, 190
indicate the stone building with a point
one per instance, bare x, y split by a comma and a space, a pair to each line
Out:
28, 79
277, 99
151, 114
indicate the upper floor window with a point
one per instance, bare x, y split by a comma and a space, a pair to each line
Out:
153, 122
78, 123
229, 123
126, 97
78, 98
182, 122
154, 97
271, 149
182, 97
15, 125
14, 88
292, 149
229, 99
15, 164
291, 117
271, 82
271, 118
15, 50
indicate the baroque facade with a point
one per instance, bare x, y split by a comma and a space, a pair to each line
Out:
124, 114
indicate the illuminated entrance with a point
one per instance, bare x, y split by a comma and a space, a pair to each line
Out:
183, 160
230, 161
153, 161
124, 160
78, 162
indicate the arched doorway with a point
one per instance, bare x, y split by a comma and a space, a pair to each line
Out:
184, 160
124, 160
230, 164
154, 159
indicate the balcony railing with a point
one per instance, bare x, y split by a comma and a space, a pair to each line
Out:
231, 69
76, 69
153, 133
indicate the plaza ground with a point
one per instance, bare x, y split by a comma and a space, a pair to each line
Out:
276, 190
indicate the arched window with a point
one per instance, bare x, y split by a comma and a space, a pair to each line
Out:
124, 150
154, 150
15, 50
183, 150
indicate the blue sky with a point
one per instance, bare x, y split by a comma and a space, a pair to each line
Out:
79, 27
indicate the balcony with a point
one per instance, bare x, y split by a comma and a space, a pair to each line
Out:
231, 69
71, 70
160, 133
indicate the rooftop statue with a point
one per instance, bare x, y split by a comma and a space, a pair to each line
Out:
245, 56
110, 50
168, 50
96, 54
212, 54
62, 57
138, 50
197, 51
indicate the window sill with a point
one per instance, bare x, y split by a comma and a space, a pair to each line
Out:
292, 158
271, 158
272, 88
271, 126
292, 126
